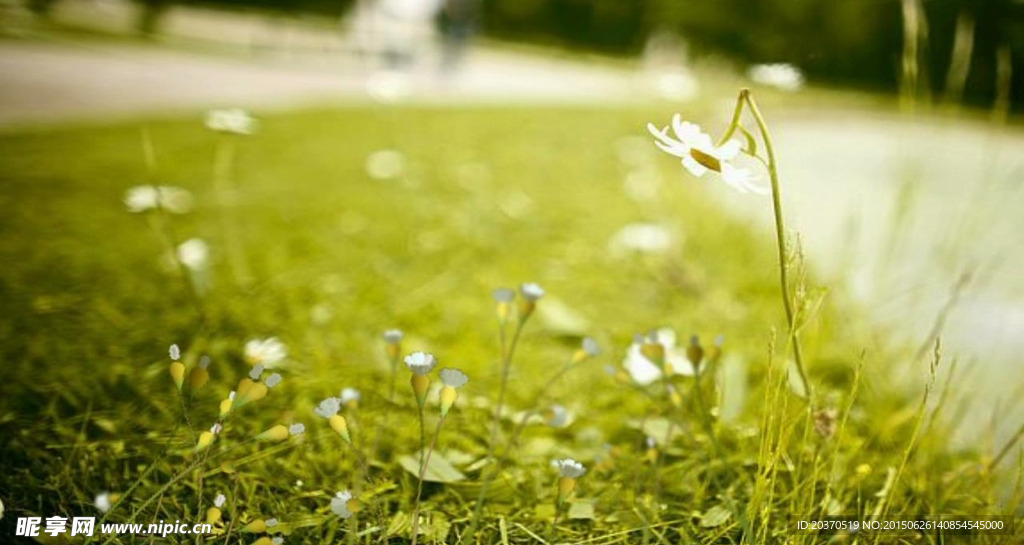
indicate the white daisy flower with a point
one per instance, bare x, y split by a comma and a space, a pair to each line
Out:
270, 352
271, 523
531, 291
142, 198
349, 395
453, 377
420, 363
231, 121
175, 352
558, 417
339, 504
328, 407
297, 429
393, 336
194, 254
644, 371
256, 372
569, 468
218, 502
699, 153
273, 380
781, 75
102, 502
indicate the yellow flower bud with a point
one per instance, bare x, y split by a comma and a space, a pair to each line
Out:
213, 515
504, 309
263, 541
257, 526
394, 350
225, 407
244, 386
178, 373
420, 385
340, 425
448, 397
253, 393
354, 505
566, 485
526, 308
277, 433
205, 440
198, 378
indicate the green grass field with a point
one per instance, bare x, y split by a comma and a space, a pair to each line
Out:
331, 257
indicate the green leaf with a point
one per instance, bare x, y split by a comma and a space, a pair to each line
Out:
581, 510
716, 516
439, 469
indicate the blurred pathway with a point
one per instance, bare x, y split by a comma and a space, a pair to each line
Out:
48, 81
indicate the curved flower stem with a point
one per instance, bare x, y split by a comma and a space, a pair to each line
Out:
419, 487
780, 234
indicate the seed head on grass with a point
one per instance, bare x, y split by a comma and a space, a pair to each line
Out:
206, 438
214, 513
328, 409
421, 364
393, 343
569, 472
452, 380
177, 369
530, 293
503, 297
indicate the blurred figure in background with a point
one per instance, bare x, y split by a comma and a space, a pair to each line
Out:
459, 21
403, 28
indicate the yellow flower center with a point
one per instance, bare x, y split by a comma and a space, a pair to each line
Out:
706, 160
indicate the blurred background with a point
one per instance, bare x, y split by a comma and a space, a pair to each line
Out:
896, 120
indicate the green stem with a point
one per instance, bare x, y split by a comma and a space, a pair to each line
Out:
419, 487
780, 239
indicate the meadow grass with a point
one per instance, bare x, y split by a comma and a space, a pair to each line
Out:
487, 197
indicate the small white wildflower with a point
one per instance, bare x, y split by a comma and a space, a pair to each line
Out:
651, 442
504, 295
569, 468
232, 395
271, 522
349, 395
175, 352
142, 198
328, 407
393, 336
558, 417
194, 254
339, 504
273, 380
531, 291
385, 164
204, 362
270, 352
102, 502
299, 483
700, 154
297, 429
645, 371
231, 120
453, 378
591, 347
216, 428
218, 502
277, 540
388, 86
256, 371
420, 363
779, 75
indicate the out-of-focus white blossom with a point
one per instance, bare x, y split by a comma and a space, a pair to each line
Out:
650, 238
420, 363
194, 254
385, 164
569, 468
273, 380
780, 75
531, 291
328, 407
269, 352
142, 198
339, 504
644, 371
453, 378
231, 121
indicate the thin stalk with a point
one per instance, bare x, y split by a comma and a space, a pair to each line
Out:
419, 487
521, 426
780, 240
507, 354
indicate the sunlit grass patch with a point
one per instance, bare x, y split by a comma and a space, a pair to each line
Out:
351, 223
